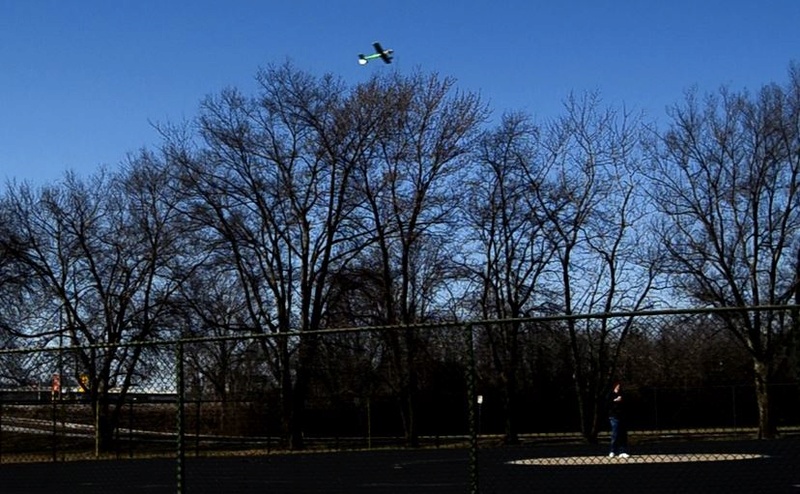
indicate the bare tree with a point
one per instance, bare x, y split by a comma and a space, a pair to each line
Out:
13, 275
587, 190
510, 249
213, 307
726, 178
19, 304
410, 189
99, 252
270, 195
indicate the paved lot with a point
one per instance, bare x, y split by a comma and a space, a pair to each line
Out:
671, 467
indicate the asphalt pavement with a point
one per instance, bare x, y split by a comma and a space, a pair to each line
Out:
728, 467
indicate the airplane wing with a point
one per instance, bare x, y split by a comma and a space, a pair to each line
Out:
386, 55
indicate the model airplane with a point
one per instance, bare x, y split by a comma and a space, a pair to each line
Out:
385, 55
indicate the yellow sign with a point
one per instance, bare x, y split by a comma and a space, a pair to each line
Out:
84, 387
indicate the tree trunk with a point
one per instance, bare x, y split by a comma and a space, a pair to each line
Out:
766, 427
587, 407
412, 435
509, 409
105, 426
287, 403
296, 426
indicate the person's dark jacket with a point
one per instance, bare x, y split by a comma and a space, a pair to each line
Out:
616, 409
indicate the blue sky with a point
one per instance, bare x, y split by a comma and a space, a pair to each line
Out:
81, 82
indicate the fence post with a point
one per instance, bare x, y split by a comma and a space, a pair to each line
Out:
179, 384
474, 487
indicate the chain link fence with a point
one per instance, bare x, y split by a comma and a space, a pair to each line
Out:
501, 401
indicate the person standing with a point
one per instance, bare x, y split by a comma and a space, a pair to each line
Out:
616, 415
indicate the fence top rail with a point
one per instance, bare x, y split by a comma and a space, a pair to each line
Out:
468, 324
